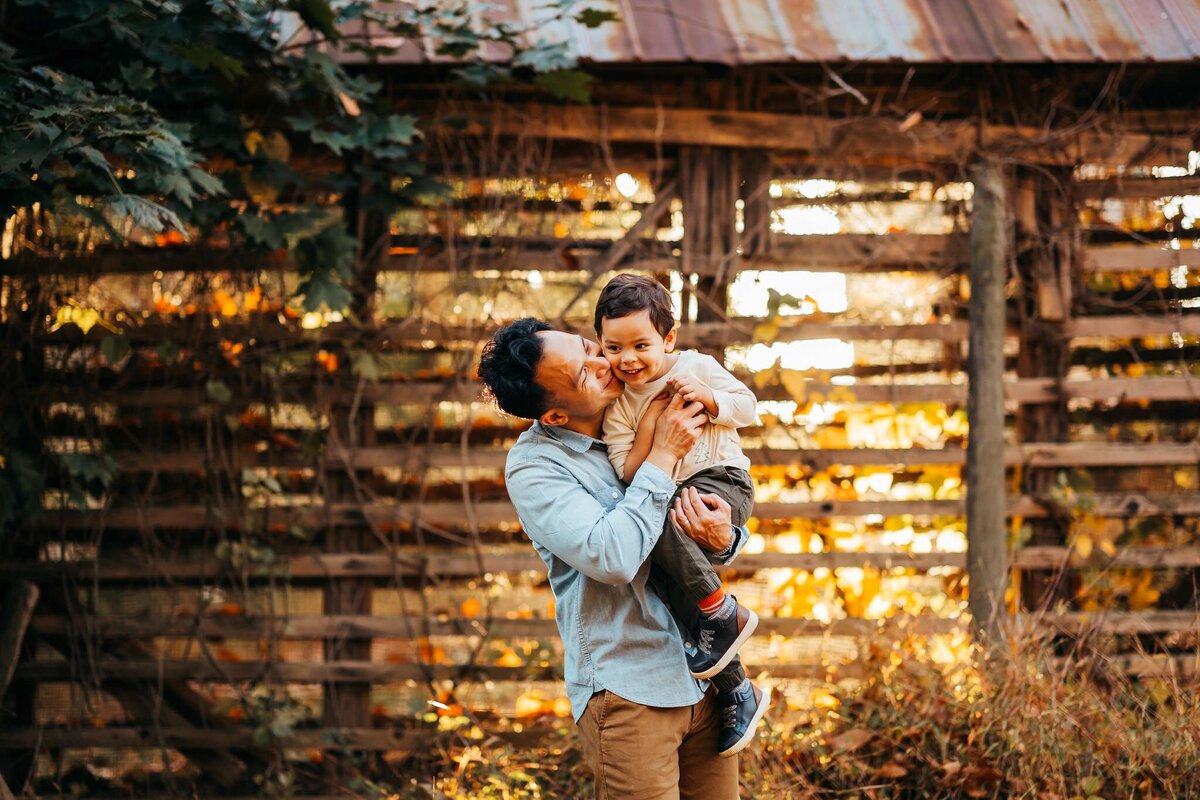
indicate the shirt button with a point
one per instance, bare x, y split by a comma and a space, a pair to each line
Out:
616, 495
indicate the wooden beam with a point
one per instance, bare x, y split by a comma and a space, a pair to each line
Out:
1034, 454
865, 138
364, 627
1133, 326
1137, 258
384, 567
301, 628
188, 738
493, 513
425, 335
1121, 187
840, 252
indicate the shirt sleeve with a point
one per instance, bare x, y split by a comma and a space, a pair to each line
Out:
724, 559
619, 432
560, 514
737, 406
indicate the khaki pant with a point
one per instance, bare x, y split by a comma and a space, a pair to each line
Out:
643, 753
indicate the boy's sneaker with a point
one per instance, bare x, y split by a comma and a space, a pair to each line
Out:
741, 710
719, 636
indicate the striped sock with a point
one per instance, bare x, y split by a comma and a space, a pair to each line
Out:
711, 603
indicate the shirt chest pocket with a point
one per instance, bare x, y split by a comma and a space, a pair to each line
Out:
607, 496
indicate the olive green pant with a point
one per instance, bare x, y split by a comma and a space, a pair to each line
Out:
681, 572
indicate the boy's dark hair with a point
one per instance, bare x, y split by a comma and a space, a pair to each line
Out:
628, 294
508, 365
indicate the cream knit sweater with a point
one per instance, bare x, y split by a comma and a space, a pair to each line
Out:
719, 444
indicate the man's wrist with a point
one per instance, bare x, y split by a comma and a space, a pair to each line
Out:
734, 538
663, 459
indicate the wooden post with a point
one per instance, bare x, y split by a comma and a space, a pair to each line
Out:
987, 550
347, 705
1044, 253
15, 614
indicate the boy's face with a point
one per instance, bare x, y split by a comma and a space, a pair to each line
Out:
636, 351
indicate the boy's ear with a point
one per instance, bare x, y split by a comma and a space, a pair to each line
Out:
669, 339
554, 416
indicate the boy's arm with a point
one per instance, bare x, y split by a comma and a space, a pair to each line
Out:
643, 437
618, 434
735, 405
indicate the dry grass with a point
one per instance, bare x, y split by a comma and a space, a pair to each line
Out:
1014, 724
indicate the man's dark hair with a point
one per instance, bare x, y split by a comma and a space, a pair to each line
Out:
508, 365
628, 294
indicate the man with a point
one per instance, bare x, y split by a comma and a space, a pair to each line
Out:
649, 729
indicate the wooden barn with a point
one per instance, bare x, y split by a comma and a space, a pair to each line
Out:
288, 531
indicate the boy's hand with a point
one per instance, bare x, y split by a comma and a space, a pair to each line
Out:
693, 391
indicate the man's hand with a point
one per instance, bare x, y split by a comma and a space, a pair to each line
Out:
704, 517
675, 433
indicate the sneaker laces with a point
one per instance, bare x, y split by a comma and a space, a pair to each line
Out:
729, 716
706, 642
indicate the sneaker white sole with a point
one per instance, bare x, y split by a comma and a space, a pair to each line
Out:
745, 634
751, 729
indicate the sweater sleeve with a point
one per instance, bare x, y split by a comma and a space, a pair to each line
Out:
737, 406
619, 430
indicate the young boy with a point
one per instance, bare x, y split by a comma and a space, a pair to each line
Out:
636, 325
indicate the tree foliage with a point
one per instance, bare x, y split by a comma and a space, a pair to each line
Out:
143, 116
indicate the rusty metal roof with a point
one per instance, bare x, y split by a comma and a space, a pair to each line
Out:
738, 32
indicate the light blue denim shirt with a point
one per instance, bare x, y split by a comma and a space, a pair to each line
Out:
595, 536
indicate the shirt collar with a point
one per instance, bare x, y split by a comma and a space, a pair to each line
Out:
576, 441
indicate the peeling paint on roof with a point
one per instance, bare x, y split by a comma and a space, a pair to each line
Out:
741, 32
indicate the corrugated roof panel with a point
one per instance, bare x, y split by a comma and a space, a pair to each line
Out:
1186, 15
959, 31
856, 35
1007, 31
1158, 31
760, 35
813, 39
911, 29
917, 31
705, 32
1057, 35
613, 42
1107, 29
656, 31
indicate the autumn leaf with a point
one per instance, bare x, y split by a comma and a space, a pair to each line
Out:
850, 741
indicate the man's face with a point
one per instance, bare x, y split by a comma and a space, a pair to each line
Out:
576, 374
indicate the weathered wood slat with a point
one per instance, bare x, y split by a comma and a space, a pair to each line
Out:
846, 252
202, 738
1123, 259
424, 334
383, 566
866, 137
1132, 326
1027, 390
1052, 454
493, 513
1138, 187
370, 627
